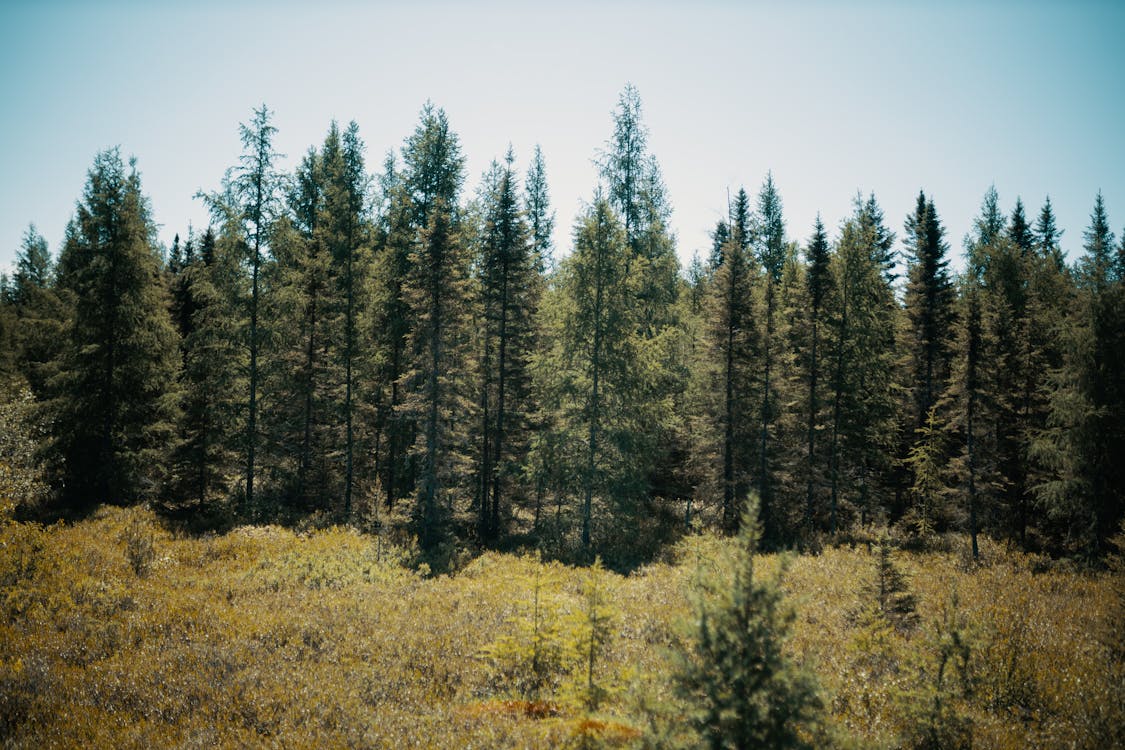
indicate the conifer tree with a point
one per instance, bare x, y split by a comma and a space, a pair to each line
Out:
929, 307
592, 376
818, 281
436, 292
537, 208
509, 287
742, 690
635, 188
970, 405
862, 349
770, 250
1085, 432
345, 224
1047, 236
212, 380
735, 345
303, 313
40, 312
249, 199
116, 403
387, 325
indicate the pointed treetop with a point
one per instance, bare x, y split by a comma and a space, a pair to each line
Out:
1019, 231
1047, 236
33, 263
1098, 262
990, 224
770, 229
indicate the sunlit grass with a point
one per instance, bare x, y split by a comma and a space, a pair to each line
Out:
116, 633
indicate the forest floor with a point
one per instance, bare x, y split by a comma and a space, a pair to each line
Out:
116, 632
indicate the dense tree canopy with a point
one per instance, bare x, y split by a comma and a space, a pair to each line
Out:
387, 352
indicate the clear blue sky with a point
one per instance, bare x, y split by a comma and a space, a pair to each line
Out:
889, 97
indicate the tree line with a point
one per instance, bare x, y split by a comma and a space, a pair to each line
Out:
388, 349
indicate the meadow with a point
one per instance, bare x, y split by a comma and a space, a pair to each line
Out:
119, 632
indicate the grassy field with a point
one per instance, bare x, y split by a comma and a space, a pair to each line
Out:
117, 633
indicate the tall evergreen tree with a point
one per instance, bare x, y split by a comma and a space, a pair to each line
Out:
436, 292
540, 217
771, 254
818, 280
1047, 236
116, 403
40, 313
303, 312
213, 377
596, 361
1085, 435
735, 347
862, 349
388, 326
929, 307
509, 287
249, 199
346, 228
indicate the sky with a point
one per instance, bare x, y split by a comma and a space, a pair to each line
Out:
833, 98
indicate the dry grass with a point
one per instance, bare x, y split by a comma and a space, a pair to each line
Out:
115, 633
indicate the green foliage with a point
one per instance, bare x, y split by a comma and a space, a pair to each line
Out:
742, 689
22, 484
116, 401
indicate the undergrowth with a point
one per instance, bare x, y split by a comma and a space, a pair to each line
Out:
116, 632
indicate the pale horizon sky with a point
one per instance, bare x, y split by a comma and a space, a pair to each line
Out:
890, 98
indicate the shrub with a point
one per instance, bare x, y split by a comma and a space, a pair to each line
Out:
743, 691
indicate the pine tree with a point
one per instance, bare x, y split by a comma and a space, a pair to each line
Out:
635, 189
971, 403
929, 307
302, 310
346, 228
1085, 432
40, 312
205, 457
770, 249
734, 346
818, 280
863, 309
1047, 236
116, 403
387, 325
742, 690
249, 200
591, 377
540, 217
436, 292
509, 287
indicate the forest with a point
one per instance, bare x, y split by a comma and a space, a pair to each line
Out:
358, 381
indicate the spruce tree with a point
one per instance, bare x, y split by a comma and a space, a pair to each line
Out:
591, 378
40, 313
735, 347
508, 287
388, 326
299, 429
212, 380
818, 281
770, 248
346, 228
741, 688
436, 292
1085, 432
115, 408
929, 307
249, 200
540, 217
862, 349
